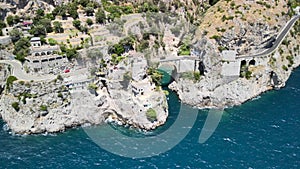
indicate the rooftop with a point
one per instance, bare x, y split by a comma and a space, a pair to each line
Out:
35, 39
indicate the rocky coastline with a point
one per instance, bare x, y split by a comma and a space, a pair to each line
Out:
215, 91
118, 82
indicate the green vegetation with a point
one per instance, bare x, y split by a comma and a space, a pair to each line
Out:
290, 58
59, 77
15, 35
52, 42
221, 48
264, 4
248, 74
26, 95
155, 75
57, 26
21, 49
194, 76
15, 105
92, 86
38, 30
43, 108
272, 61
11, 20
117, 49
77, 24
184, 50
2, 25
224, 18
89, 22
60, 95
197, 76
71, 53
151, 115
216, 37
284, 68
9, 81
100, 16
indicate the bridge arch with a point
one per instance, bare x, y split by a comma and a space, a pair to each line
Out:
169, 72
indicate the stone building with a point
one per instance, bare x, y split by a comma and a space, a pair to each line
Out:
44, 57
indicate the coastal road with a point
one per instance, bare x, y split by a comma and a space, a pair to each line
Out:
278, 40
18, 72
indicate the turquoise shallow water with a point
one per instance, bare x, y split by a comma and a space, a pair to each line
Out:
262, 133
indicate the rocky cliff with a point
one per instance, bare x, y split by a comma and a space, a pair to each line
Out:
247, 28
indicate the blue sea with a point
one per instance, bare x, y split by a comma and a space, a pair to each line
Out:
262, 133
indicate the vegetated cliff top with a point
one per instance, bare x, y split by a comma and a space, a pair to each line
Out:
233, 15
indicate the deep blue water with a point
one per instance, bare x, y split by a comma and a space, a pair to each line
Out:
262, 133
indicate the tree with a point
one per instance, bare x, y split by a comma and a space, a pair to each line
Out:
43, 108
72, 10
49, 16
89, 21
155, 75
116, 49
100, 16
2, 25
76, 24
89, 11
59, 10
151, 115
84, 3
38, 30
15, 105
162, 7
40, 12
10, 20
15, 34
21, 49
52, 42
16, 19
58, 27
47, 24
83, 29
71, 53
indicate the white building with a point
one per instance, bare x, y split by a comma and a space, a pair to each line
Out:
35, 42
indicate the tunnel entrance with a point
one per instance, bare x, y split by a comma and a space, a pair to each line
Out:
252, 62
201, 68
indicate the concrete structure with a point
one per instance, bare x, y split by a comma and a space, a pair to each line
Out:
35, 42
231, 66
44, 50
228, 55
182, 63
44, 57
78, 82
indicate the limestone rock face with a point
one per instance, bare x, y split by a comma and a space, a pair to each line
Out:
47, 107
213, 90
